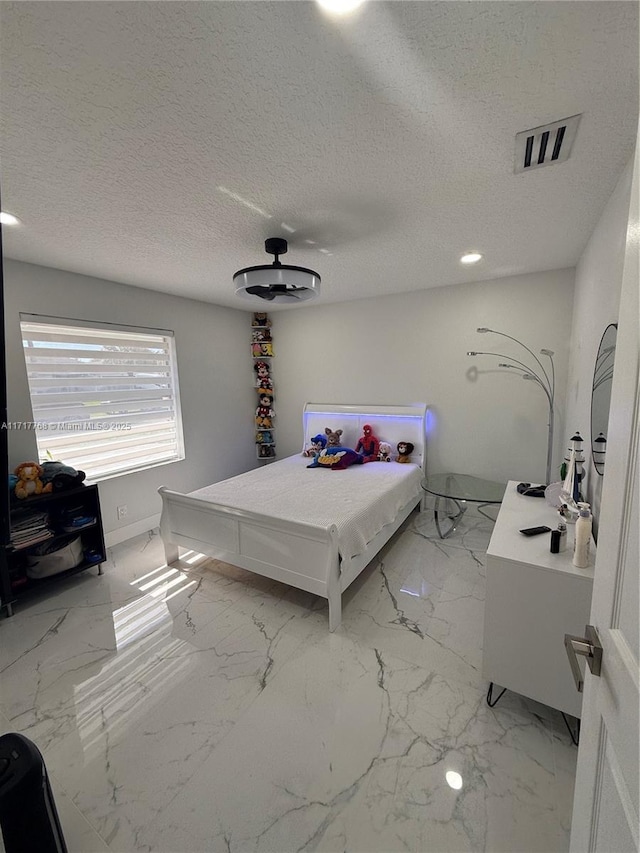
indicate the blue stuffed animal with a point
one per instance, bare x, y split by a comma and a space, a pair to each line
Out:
336, 458
318, 444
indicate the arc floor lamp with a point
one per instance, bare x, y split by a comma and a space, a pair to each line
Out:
537, 374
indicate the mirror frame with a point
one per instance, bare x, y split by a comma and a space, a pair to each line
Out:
598, 463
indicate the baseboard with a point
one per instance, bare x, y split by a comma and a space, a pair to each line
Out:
121, 534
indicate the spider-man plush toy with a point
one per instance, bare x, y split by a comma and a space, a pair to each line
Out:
368, 444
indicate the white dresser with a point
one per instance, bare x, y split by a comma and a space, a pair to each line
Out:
533, 599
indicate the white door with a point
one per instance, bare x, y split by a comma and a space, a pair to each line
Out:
607, 794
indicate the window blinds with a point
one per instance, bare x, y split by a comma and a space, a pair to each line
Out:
105, 399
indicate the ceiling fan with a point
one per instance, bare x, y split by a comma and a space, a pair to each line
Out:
277, 282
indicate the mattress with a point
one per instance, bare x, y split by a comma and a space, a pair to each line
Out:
360, 500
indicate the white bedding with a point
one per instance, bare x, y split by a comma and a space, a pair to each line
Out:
359, 500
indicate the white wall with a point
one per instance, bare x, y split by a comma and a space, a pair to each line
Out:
214, 366
412, 347
596, 304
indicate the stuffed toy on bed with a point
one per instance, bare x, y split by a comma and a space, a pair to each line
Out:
384, 452
333, 438
336, 458
368, 444
405, 449
318, 443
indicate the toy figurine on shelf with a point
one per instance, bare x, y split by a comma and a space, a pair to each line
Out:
264, 436
266, 349
263, 377
264, 413
266, 451
260, 318
260, 335
262, 350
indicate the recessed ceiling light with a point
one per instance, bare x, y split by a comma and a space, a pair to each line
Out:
340, 7
471, 258
8, 218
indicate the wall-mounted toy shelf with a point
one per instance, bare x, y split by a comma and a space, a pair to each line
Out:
262, 352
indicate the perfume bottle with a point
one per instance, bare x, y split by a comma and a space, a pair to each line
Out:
559, 539
562, 530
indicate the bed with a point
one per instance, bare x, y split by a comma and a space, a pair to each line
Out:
312, 529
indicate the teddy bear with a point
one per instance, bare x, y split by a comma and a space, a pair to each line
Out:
405, 449
333, 438
263, 378
368, 444
260, 318
29, 482
318, 444
384, 452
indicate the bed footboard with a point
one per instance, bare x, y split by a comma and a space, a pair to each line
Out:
302, 555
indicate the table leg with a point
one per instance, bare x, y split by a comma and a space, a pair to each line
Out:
491, 702
462, 508
486, 515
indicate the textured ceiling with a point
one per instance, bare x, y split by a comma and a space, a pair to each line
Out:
159, 144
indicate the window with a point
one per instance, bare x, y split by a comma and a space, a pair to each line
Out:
105, 398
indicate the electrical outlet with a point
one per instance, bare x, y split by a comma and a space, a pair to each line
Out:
122, 511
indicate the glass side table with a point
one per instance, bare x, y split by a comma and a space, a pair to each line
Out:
458, 489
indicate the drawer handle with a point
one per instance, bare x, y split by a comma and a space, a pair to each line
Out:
589, 647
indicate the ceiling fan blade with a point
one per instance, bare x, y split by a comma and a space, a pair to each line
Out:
289, 289
262, 292
268, 292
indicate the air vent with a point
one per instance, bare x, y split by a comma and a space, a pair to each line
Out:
546, 145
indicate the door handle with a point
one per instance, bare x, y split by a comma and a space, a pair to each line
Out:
589, 647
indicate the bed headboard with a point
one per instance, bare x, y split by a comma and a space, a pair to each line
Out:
389, 423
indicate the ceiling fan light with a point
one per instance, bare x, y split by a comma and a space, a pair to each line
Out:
277, 283
301, 284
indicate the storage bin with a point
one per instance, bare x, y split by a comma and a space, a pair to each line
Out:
51, 558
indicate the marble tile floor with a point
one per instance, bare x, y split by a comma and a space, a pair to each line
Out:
202, 708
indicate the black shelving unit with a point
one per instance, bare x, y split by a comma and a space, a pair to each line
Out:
14, 581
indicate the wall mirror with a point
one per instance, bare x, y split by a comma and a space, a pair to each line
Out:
601, 395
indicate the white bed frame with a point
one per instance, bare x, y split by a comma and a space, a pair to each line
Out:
302, 555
